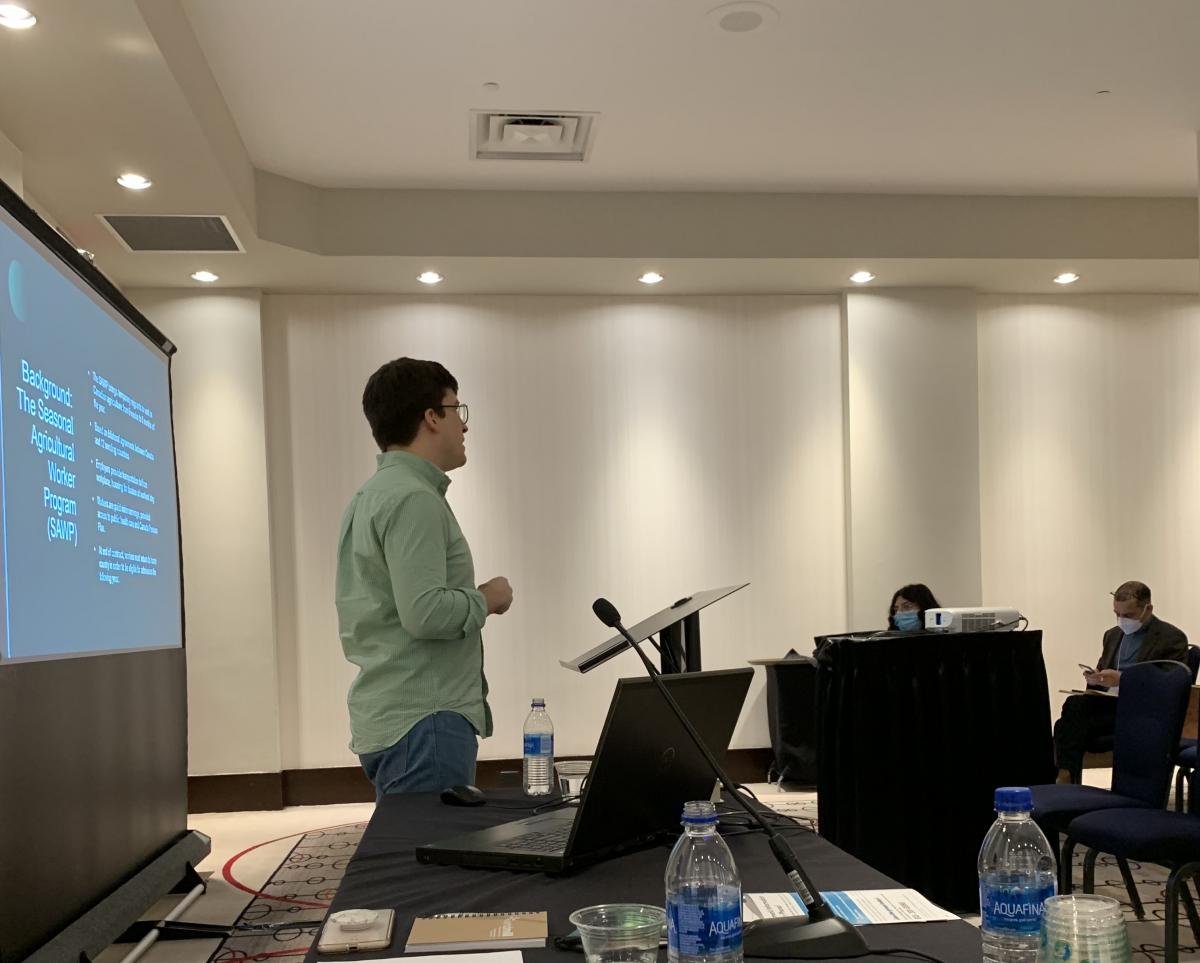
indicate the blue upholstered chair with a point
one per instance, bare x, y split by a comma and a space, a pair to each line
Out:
1099, 751
1150, 711
1152, 836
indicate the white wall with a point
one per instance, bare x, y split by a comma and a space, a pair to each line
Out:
217, 377
913, 431
635, 449
1090, 462
642, 449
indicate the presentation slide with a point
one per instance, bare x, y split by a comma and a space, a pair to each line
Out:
88, 501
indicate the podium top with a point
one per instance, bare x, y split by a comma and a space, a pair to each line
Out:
673, 613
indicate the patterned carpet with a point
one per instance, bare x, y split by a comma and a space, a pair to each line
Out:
294, 900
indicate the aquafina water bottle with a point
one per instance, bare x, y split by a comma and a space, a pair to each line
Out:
1017, 874
538, 764
704, 893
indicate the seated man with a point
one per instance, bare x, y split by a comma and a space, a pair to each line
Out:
1138, 636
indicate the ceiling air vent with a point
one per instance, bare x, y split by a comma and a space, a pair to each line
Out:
510, 135
196, 233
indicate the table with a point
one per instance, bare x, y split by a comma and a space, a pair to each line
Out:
916, 733
384, 873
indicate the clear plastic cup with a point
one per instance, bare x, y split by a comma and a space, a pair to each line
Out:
571, 774
1083, 928
620, 932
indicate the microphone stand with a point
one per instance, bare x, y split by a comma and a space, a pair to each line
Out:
822, 935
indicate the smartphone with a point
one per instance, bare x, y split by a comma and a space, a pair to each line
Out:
356, 931
1086, 668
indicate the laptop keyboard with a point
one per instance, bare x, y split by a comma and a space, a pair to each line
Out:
545, 841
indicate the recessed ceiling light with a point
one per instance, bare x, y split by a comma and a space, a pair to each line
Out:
1067, 277
651, 277
743, 16
16, 18
84, 252
491, 86
430, 277
862, 277
206, 276
134, 182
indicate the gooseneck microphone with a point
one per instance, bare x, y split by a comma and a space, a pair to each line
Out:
822, 935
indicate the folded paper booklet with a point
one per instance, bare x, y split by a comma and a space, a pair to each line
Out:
452, 932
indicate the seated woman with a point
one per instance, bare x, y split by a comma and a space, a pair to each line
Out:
907, 611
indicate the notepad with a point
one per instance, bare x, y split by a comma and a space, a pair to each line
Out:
454, 932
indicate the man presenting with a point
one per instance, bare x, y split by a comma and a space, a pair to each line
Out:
409, 613
1138, 636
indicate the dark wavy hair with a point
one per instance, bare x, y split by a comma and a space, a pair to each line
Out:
920, 596
398, 395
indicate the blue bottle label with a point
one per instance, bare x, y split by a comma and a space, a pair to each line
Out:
700, 928
1014, 907
539, 744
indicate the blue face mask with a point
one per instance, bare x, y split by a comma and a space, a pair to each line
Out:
907, 621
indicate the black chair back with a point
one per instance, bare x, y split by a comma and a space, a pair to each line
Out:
1150, 713
1193, 661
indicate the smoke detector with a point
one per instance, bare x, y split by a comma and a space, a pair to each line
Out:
531, 135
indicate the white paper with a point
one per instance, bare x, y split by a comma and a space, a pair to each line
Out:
861, 907
497, 956
768, 906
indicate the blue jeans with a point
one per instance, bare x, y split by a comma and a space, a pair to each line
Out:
438, 752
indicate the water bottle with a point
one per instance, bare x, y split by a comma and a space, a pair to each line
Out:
1017, 874
539, 750
704, 893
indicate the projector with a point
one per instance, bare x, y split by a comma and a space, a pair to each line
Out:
980, 619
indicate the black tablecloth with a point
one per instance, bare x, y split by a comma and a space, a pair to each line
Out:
915, 736
384, 873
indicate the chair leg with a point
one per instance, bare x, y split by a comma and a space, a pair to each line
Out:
1065, 860
1131, 889
1189, 904
1171, 920
1177, 888
1089, 871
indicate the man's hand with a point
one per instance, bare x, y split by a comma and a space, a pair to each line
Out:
1106, 677
498, 594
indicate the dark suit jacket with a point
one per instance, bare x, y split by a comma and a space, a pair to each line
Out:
1162, 641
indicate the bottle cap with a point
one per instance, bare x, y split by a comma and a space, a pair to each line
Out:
700, 811
538, 701
1014, 799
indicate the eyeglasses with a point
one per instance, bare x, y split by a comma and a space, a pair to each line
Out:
463, 412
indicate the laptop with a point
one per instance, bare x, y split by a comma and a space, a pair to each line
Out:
644, 769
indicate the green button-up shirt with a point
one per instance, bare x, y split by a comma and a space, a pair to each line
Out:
409, 614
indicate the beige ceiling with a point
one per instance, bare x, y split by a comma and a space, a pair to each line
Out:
926, 96
336, 143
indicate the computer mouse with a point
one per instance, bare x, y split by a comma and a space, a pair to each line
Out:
463, 796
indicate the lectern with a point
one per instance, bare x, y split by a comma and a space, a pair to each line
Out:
678, 630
